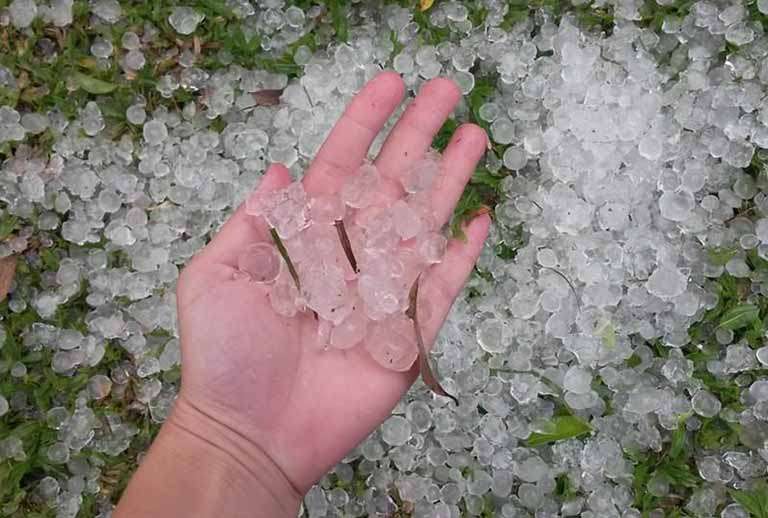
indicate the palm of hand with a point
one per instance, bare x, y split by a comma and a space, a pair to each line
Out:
263, 375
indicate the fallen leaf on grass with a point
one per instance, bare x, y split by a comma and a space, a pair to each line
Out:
93, 85
33, 93
558, 429
88, 62
740, 316
425, 4
7, 272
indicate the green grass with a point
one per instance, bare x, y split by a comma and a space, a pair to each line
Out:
653, 15
70, 78
755, 14
589, 16
44, 390
753, 500
674, 464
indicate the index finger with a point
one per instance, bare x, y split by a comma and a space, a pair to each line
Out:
347, 145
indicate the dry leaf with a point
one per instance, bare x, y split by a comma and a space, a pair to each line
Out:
425, 4
425, 368
88, 63
22, 80
93, 85
33, 93
7, 272
267, 97
167, 61
57, 34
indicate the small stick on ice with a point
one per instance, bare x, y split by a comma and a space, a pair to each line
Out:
425, 369
570, 284
345, 244
286, 257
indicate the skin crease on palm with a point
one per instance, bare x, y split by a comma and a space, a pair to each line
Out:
259, 376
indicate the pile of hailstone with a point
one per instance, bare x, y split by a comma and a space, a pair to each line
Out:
351, 258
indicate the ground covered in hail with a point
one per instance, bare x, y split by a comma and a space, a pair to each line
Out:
608, 354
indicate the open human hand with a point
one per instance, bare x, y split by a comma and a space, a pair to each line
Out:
253, 383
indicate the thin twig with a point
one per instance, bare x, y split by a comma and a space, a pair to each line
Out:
570, 284
425, 369
341, 230
286, 257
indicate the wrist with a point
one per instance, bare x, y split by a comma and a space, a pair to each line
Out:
199, 467
240, 462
